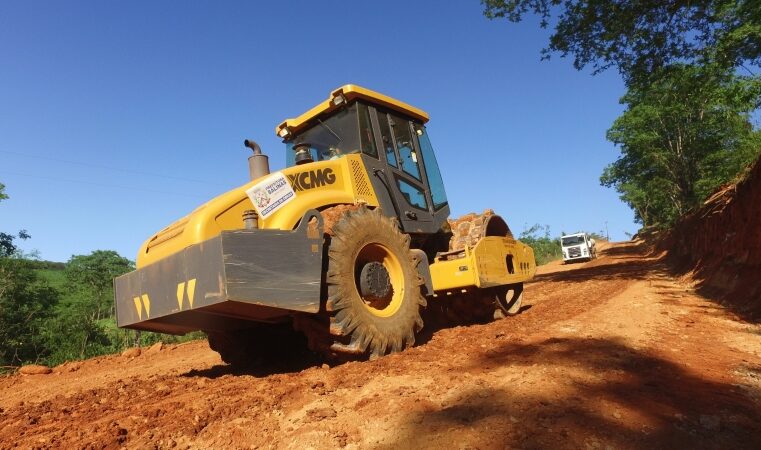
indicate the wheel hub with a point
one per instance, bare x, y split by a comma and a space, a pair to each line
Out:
374, 281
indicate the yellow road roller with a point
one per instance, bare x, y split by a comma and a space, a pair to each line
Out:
349, 247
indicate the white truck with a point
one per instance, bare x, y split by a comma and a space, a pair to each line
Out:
578, 247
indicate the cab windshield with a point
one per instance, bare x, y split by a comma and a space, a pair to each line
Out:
572, 240
328, 137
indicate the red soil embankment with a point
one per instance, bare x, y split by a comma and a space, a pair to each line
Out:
720, 245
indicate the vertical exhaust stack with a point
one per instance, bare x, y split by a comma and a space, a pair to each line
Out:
258, 163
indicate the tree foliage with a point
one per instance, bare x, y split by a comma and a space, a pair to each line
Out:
639, 37
545, 248
687, 127
7, 246
26, 305
92, 277
681, 137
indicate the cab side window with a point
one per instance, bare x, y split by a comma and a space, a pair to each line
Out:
387, 139
413, 195
367, 141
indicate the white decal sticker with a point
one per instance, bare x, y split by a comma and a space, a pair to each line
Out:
270, 194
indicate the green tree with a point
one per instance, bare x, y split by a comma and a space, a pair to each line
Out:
7, 246
92, 277
639, 37
686, 129
545, 248
84, 321
682, 136
25, 304
73, 333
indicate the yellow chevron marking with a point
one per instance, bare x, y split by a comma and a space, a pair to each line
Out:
147, 304
180, 294
191, 290
138, 307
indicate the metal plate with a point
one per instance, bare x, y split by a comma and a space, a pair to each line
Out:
242, 274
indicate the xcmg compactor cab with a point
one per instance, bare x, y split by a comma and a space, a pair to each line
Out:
349, 246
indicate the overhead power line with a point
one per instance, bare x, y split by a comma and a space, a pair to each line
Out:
118, 169
95, 183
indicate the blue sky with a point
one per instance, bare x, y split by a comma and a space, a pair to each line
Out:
117, 118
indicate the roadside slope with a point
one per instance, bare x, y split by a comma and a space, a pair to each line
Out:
719, 245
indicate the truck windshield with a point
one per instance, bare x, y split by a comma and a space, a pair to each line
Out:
328, 138
572, 240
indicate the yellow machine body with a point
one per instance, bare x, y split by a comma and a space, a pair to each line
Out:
317, 185
493, 261
347, 93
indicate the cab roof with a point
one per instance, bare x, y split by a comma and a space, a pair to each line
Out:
347, 93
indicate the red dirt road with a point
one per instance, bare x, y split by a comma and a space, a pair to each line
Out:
609, 354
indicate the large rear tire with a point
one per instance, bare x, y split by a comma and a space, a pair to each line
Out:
374, 295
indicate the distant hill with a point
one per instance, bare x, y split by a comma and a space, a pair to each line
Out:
47, 265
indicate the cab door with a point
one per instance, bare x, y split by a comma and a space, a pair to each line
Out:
403, 170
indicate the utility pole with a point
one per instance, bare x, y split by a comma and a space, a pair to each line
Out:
607, 235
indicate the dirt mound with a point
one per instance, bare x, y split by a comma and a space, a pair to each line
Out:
35, 369
719, 245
